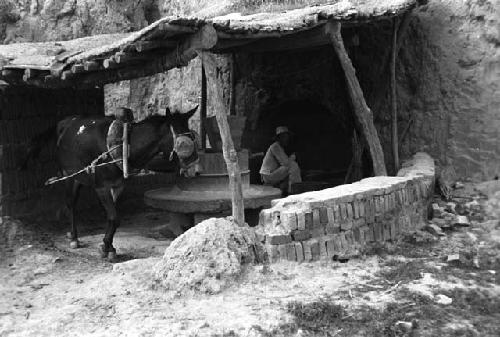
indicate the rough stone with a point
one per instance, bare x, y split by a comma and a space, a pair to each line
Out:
315, 250
437, 211
330, 215
343, 211
299, 251
323, 215
462, 221
450, 207
332, 229
349, 211
301, 221
316, 218
306, 245
330, 247
282, 252
290, 252
301, 235
322, 248
346, 225
434, 229
309, 224
278, 239
317, 232
272, 252
290, 220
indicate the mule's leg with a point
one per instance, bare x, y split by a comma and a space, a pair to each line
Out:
108, 201
72, 193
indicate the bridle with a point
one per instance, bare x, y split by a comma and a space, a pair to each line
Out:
181, 142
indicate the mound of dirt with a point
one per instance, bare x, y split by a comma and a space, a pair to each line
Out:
207, 258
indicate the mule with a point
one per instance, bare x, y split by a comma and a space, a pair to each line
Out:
80, 140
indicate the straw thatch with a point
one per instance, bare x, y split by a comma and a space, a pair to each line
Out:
172, 42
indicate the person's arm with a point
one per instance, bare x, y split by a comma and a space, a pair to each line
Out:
279, 154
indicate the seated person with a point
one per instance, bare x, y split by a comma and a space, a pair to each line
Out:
278, 169
124, 115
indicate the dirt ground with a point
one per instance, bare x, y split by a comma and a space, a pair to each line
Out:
399, 289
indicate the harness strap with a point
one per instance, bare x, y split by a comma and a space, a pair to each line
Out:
87, 169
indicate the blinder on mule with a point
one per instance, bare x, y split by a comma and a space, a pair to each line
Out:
185, 145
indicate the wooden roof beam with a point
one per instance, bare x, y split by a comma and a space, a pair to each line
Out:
92, 65
142, 46
165, 26
203, 39
109, 63
78, 68
306, 39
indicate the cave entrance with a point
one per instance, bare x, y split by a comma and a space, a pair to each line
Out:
321, 141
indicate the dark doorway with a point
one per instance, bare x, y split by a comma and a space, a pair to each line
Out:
322, 139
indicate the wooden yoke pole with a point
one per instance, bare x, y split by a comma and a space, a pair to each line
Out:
230, 155
394, 108
362, 112
125, 150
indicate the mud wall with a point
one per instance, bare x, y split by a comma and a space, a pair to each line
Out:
449, 84
340, 220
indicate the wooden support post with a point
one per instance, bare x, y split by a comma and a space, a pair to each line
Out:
230, 155
203, 108
362, 112
232, 94
394, 109
378, 96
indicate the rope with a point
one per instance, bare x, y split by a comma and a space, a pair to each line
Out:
89, 168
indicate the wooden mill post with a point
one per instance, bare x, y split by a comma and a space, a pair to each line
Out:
203, 108
362, 112
230, 155
394, 103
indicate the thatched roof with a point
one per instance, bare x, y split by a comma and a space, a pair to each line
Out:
172, 41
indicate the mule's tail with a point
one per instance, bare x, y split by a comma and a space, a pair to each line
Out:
36, 145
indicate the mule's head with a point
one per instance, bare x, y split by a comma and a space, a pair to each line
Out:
184, 145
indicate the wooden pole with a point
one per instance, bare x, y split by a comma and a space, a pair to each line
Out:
363, 114
378, 95
230, 155
203, 108
394, 129
232, 98
125, 150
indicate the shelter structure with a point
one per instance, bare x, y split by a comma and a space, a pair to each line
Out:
89, 63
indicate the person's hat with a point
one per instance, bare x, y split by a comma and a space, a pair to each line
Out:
282, 129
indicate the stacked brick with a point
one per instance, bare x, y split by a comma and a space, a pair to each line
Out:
24, 113
307, 229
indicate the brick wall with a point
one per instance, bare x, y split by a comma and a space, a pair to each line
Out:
337, 221
24, 113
